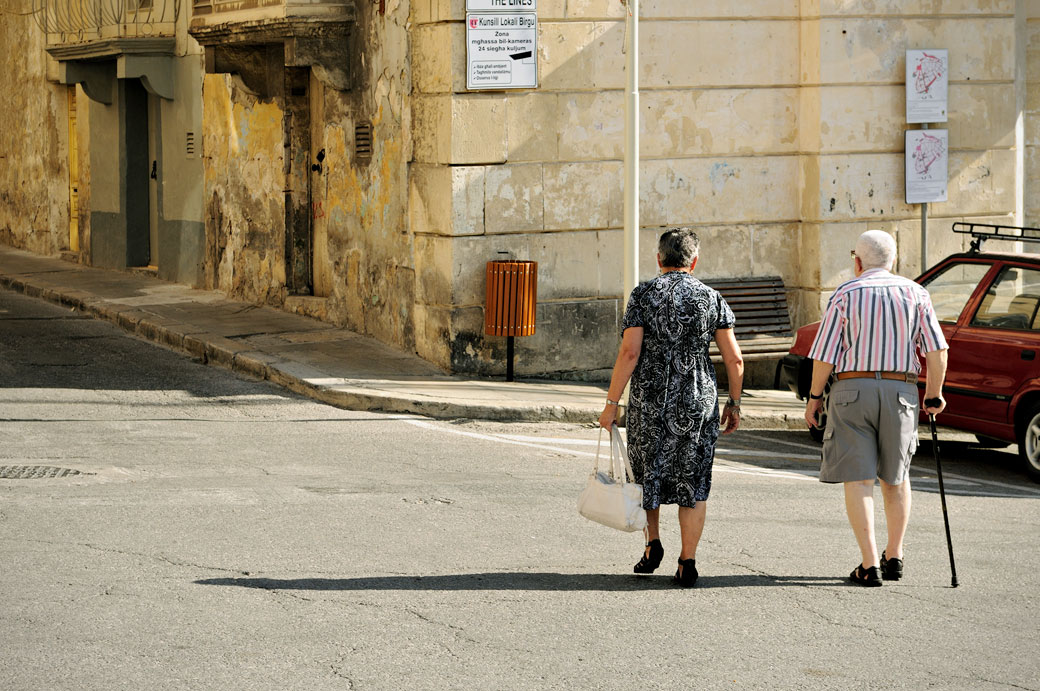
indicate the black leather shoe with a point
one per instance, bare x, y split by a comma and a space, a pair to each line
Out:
688, 576
866, 577
891, 569
651, 560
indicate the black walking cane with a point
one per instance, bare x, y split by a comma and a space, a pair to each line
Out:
935, 403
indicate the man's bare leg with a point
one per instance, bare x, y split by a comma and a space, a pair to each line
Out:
859, 505
897, 515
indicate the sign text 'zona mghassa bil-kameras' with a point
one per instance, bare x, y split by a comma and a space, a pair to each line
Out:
501, 50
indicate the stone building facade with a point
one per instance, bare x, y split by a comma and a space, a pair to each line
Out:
327, 157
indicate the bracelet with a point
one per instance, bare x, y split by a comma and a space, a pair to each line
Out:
814, 396
610, 402
733, 402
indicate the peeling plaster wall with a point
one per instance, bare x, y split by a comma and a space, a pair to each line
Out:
244, 207
34, 171
370, 247
779, 153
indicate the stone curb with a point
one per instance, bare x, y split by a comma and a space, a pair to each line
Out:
244, 359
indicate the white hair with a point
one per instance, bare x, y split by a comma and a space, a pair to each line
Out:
876, 249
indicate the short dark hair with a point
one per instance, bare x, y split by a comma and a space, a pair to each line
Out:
678, 247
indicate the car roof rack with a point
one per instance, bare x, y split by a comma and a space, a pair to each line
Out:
987, 231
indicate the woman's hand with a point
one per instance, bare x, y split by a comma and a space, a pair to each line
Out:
730, 418
609, 416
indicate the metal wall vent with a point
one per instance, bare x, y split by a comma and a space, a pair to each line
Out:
189, 144
35, 472
363, 141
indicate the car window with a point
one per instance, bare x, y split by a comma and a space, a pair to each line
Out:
1012, 301
951, 288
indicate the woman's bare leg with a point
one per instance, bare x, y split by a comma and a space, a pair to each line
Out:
691, 525
653, 527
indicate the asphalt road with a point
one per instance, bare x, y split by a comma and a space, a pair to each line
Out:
224, 534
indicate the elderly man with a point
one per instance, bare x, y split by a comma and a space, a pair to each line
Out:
869, 336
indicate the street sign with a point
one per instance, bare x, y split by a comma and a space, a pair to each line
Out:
501, 5
927, 85
927, 164
502, 51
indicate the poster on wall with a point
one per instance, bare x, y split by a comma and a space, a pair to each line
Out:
502, 51
927, 164
927, 85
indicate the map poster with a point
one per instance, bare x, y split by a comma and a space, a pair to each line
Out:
927, 85
502, 51
927, 163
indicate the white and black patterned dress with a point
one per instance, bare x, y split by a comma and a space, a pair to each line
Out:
673, 414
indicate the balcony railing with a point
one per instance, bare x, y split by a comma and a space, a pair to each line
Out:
74, 22
205, 10
204, 7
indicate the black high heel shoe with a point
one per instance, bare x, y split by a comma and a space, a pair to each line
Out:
688, 576
650, 562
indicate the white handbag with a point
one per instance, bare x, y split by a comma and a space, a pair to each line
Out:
613, 498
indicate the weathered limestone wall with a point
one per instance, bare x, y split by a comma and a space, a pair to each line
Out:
34, 171
364, 272
775, 127
852, 123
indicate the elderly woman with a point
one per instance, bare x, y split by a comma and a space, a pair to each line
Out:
673, 408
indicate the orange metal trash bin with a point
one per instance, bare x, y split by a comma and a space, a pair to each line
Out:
512, 297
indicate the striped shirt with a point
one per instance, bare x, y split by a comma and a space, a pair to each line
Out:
876, 322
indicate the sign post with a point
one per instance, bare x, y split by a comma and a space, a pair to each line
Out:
631, 207
927, 152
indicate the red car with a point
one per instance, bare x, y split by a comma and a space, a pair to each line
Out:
989, 307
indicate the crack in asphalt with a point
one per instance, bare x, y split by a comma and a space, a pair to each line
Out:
997, 682
339, 674
128, 553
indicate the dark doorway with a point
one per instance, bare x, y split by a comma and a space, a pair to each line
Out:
298, 232
138, 172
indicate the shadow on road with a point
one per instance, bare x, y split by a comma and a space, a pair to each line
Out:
517, 581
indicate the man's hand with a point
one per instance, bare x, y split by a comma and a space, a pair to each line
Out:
812, 409
933, 409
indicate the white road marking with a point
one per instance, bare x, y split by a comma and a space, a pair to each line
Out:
495, 438
959, 484
555, 440
976, 481
761, 472
769, 454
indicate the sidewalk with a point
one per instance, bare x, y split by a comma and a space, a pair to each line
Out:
316, 359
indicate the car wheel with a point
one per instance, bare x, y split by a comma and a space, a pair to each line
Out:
817, 432
991, 443
1029, 442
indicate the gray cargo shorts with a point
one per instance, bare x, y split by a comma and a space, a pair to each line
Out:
871, 430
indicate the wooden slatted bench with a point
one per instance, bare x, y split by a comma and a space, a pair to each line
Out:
763, 328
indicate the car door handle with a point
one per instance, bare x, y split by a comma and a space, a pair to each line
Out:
1028, 354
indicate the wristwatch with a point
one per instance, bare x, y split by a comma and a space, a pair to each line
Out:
610, 402
733, 403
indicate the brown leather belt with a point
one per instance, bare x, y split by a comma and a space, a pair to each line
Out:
908, 377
